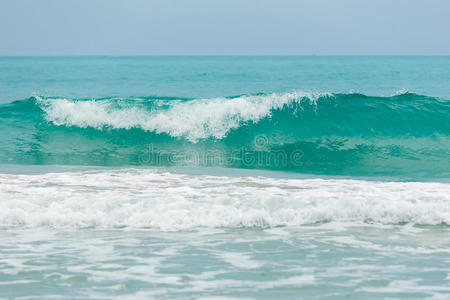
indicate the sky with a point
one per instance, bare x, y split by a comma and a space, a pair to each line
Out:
224, 27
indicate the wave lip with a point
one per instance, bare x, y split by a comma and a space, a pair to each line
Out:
192, 119
199, 119
146, 198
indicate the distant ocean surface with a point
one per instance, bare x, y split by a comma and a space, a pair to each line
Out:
225, 177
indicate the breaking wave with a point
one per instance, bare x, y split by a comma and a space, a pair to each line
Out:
341, 134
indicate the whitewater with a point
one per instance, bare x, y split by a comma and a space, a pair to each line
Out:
168, 201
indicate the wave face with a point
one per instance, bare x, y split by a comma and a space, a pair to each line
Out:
149, 198
335, 134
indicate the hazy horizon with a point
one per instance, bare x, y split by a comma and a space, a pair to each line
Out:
231, 55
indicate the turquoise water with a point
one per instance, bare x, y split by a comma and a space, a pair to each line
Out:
353, 134
232, 177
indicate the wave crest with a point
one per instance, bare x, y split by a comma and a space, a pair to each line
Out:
193, 119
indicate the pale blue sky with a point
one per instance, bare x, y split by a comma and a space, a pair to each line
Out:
231, 27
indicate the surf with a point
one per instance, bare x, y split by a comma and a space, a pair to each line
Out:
404, 134
169, 201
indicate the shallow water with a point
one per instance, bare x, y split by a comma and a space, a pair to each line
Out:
317, 261
143, 233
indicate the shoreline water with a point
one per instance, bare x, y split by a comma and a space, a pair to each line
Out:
314, 261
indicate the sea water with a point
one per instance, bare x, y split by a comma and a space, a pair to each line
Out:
224, 177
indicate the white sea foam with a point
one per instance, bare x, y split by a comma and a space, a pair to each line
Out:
195, 119
146, 198
400, 92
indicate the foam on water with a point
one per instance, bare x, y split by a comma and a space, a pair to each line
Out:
195, 119
146, 198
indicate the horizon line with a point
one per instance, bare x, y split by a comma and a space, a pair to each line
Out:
230, 55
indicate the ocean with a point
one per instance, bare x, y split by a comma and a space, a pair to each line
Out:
224, 177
